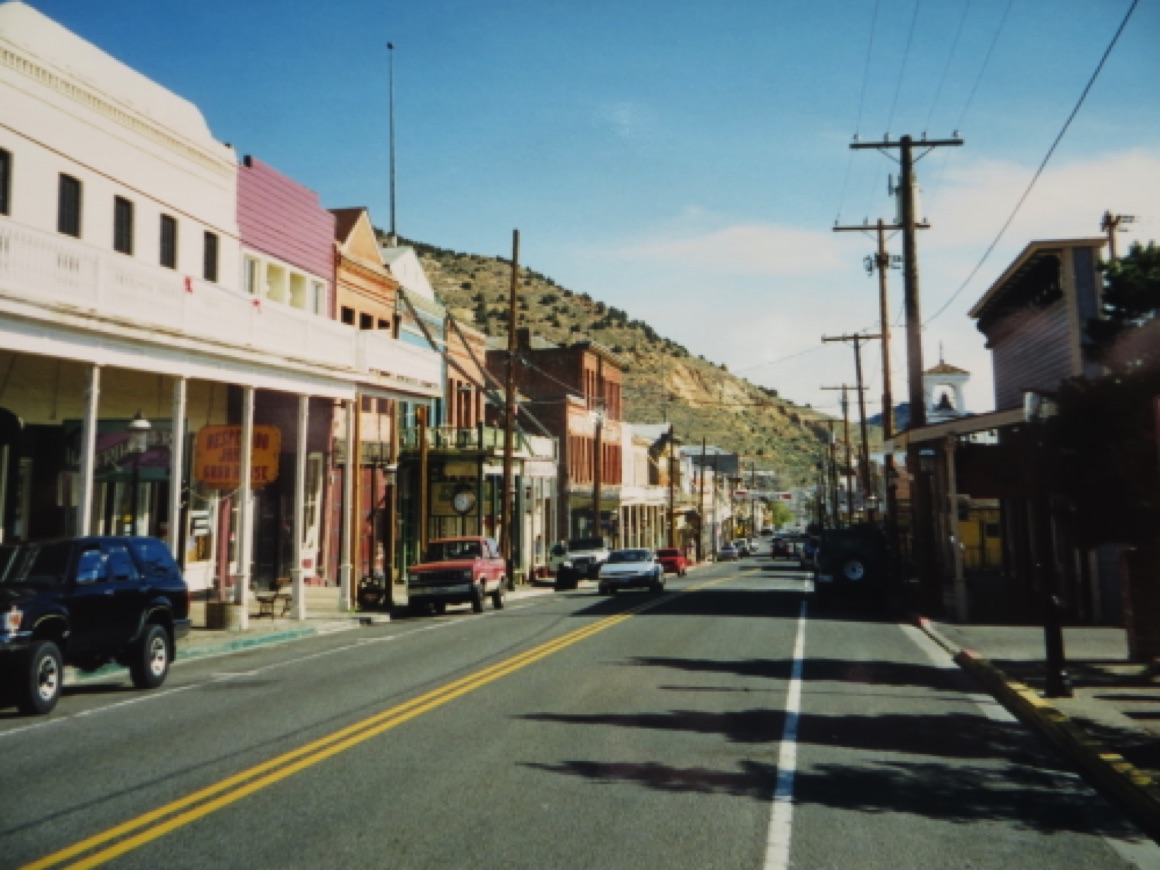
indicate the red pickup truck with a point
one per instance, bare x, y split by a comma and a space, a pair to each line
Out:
457, 571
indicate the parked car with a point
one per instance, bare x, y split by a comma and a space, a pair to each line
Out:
673, 560
727, 553
631, 569
86, 602
742, 547
457, 571
578, 559
781, 548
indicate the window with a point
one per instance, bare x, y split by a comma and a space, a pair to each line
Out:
209, 269
122, 225
348, 315
68, 215
168, 241
252, 276
5, 182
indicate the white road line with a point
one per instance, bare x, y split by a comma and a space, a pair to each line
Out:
781, 812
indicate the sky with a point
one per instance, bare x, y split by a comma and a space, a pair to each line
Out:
687, 162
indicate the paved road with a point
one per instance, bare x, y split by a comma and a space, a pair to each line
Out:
721, 724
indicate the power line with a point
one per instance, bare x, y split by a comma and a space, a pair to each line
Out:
1043, 165
947, 68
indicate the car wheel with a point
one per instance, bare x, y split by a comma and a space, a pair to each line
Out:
43, 679
602, 589
150, 658
439, 608
497, 597
854, 568
477, 598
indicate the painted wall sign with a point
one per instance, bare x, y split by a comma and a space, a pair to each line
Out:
217, 458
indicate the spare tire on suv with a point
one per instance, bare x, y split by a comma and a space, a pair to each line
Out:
852, 563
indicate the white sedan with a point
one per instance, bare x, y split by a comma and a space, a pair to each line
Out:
631, 569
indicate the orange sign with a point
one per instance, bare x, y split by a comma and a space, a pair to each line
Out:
217, 460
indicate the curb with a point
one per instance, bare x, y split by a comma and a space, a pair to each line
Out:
1137, 792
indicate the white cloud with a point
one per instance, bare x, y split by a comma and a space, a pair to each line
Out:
747, 249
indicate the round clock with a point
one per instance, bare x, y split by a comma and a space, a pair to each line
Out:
463, 501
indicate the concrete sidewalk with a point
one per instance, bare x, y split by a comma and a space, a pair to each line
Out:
1110, 727
324, 615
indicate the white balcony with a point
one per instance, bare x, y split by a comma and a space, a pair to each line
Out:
49, 278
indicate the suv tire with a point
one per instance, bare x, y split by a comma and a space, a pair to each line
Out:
497, 597
150, 658
41, 680
477, 598
855, 569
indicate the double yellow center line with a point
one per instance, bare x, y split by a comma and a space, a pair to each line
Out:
157, 823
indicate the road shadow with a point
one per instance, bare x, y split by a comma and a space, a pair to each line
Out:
961, 769
724, 601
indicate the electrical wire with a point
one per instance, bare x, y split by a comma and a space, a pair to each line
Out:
946, 69
986, 63
905, 61
1042, 165
861, 109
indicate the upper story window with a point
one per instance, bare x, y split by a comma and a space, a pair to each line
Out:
5, 182
122, 225
169, 241
209, 269
68, 214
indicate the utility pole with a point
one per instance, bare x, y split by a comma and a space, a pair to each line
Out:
701, 521
865, 452
921, 496
391, 76
1109, 223
509, 420
672, 494
849, 451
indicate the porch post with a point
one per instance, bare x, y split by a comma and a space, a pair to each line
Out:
84, 516
245, 529
296, 525
348, 472
177, 468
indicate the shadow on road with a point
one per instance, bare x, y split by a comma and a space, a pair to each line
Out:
718, 601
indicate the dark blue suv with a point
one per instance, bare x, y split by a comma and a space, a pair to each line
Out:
87, 602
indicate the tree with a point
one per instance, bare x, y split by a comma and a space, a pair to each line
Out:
1131, 299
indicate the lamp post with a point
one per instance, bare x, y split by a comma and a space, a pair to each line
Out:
138, 443
1038, 408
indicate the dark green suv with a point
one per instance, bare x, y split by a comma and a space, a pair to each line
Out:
852, 562
87, 602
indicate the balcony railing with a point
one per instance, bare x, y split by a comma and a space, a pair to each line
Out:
480, 439
58, 275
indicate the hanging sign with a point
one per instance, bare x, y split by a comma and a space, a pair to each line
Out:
217, 460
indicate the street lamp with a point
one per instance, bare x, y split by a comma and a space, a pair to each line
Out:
138, 443
1038, 408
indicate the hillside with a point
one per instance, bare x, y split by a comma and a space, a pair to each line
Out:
663, 381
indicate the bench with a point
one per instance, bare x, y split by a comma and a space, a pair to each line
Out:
278, 598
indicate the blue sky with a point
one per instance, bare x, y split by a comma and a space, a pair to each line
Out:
686, 161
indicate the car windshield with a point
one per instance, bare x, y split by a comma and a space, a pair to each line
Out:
35, 564
442, 551
630, 556
586, 544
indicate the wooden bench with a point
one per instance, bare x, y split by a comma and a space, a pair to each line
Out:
278, 598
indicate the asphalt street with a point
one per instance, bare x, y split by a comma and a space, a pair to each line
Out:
723, 723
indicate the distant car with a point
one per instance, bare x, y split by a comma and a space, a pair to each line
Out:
631, 569
673, 561
742, 547
727, 553
86, 602
781, 548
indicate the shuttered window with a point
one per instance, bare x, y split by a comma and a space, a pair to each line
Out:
122, 225
210, 258
168, 241
68, 216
